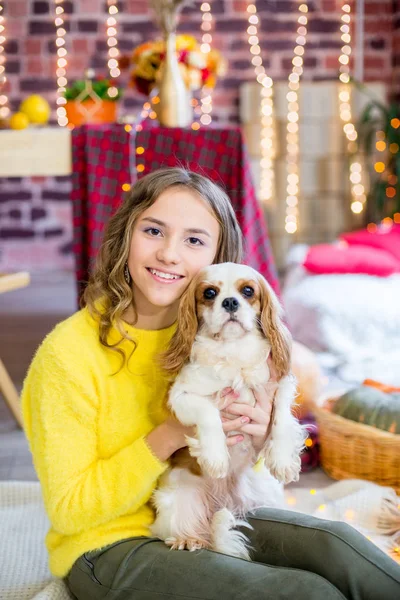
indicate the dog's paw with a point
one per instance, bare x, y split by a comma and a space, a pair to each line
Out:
214, 461
284, 466
213, 466
194, 446
223, 518
190, 544
212, 458
225, 538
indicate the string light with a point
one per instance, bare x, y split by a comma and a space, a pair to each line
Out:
292, 133
137, 162
379, 165
205, 107
148, 105
197, 110
267, 107
4, 110
358, 196
61, 71
112, 44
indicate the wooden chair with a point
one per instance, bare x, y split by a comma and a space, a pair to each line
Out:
8, 282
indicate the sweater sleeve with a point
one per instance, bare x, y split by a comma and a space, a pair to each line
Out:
60, 417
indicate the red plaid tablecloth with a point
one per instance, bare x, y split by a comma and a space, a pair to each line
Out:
104, 158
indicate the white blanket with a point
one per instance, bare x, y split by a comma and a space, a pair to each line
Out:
351, 321
24, 573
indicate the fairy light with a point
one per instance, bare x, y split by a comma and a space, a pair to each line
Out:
379, 165
147, 112
358, 196
61, 71
292, 128
197, 110
205, 107
267, 106
112, 43
4, 110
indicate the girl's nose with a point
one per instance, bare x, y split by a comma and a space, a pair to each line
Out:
168, 253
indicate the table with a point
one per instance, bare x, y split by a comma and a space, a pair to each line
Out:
105, 158
30, 152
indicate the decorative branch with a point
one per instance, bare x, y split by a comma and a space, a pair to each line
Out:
167, 14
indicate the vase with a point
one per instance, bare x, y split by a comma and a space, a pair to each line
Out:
79, 113
174, 108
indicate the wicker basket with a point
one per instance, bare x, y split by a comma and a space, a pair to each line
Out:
351, 450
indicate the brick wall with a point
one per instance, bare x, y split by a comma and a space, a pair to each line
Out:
33, 219
35, 223
31, 51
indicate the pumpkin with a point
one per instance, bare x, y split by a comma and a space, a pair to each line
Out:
370, 406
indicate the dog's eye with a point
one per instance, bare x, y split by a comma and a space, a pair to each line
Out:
210, 294
248, 291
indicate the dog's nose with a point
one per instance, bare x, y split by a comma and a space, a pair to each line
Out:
230, 304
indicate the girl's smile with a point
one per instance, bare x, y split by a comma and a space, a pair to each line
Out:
163, 276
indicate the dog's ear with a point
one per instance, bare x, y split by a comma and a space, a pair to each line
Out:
180, 346
274, 329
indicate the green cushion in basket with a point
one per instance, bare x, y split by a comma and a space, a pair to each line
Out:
372, 407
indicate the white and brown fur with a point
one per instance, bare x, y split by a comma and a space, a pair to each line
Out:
209, 488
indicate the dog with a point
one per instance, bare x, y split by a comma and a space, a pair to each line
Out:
229, 321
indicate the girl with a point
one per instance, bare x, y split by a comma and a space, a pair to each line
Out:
94, 413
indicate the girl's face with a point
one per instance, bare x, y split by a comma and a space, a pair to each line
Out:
171, 241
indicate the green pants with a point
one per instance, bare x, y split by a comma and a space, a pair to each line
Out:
294, 556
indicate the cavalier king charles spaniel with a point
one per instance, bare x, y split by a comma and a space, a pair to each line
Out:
229, 321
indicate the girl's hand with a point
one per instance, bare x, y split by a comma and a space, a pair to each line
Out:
258, 417
168, 437
231, 423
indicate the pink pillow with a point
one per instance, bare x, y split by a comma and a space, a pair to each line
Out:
327, 258
384, 238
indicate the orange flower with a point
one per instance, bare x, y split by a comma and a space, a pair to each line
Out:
197, 68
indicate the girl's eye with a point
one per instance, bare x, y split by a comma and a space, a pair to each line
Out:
195, 242
248, 291
152, 231
210, 294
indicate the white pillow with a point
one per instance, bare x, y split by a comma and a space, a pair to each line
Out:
356, 318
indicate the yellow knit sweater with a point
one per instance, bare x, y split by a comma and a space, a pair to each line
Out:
86, 429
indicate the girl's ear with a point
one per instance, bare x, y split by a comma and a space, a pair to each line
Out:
180, 347
274, 329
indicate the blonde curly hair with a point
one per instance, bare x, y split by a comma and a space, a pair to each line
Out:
108, 295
